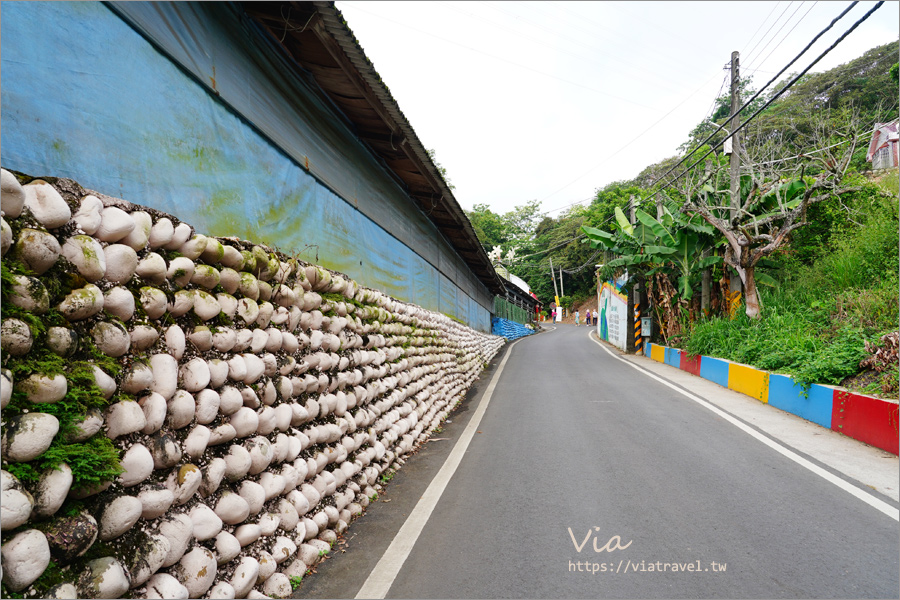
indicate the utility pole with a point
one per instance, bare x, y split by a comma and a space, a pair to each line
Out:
735, 281
636, 303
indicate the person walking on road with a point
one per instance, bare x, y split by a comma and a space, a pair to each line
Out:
587, 317
595, 317
576, 318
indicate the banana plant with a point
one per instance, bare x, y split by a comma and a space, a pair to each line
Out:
675, 242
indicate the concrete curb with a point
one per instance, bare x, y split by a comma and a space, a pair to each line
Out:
865, 418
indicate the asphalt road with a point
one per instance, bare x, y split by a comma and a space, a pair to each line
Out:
664, 498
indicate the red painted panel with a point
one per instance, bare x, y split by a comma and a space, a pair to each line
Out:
866, 419
691, 364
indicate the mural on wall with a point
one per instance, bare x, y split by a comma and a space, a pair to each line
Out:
612, 323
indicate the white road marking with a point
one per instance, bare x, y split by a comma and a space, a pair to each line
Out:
847, 487
382, 576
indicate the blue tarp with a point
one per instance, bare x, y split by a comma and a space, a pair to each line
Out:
509, 329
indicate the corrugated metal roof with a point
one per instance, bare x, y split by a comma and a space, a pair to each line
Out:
318, 38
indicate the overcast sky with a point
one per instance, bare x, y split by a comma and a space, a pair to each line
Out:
549, 101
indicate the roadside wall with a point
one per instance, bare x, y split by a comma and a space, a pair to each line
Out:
197, 113
186, 415
864, 418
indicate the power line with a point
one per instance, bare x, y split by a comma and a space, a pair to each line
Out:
784, 89
750, 62
760, 27
756, 95
770, 28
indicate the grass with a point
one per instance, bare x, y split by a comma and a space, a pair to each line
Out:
814, 325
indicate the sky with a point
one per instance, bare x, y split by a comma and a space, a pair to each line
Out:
551, 101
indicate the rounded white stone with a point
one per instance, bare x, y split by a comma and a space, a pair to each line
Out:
115, 224
227, 304
165, 449
260, 450
223, 339
278, 586
207, 406
181, 270
178, 530
237, 462
15, 336
205, 305
288, 514
194, 247
12, 196
137, 464
218, 372
16, 503
119, 516
43, 389
196, 570
155, 502
195, 375
137, 378
221, 434
111, 338
283, 549
230, 280
232, 509
27, 436
255, 368
230, 400
200, 338
88, 426
119, 302
46, 204
25, 557
213, 252
89, 214
267, 566
154, 408
180, 410
244, 577
121, 262
245, 421
182, 303
258, 341
105, 578
161, 233
124, 417
38, 250
242, 340
212, 476
153, 301
140, 235
163, 585
30, 294
82, 303
206, 276
196, 442
254, 494
152, 268
227, 547
165, 375
179, 236
247, 534
207, 524
6, 237
223, 590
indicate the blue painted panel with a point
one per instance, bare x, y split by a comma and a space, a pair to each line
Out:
648, 348
788, 396
715, 370
673, 357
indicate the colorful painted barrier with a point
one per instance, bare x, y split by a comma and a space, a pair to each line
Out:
864, 418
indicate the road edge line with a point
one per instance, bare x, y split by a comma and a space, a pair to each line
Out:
382, 576
869, 499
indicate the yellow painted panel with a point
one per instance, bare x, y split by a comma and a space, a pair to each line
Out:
750, 381
658, 353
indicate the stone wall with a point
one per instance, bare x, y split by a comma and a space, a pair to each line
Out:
188, 416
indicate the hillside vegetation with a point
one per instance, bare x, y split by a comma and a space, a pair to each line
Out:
827, 293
